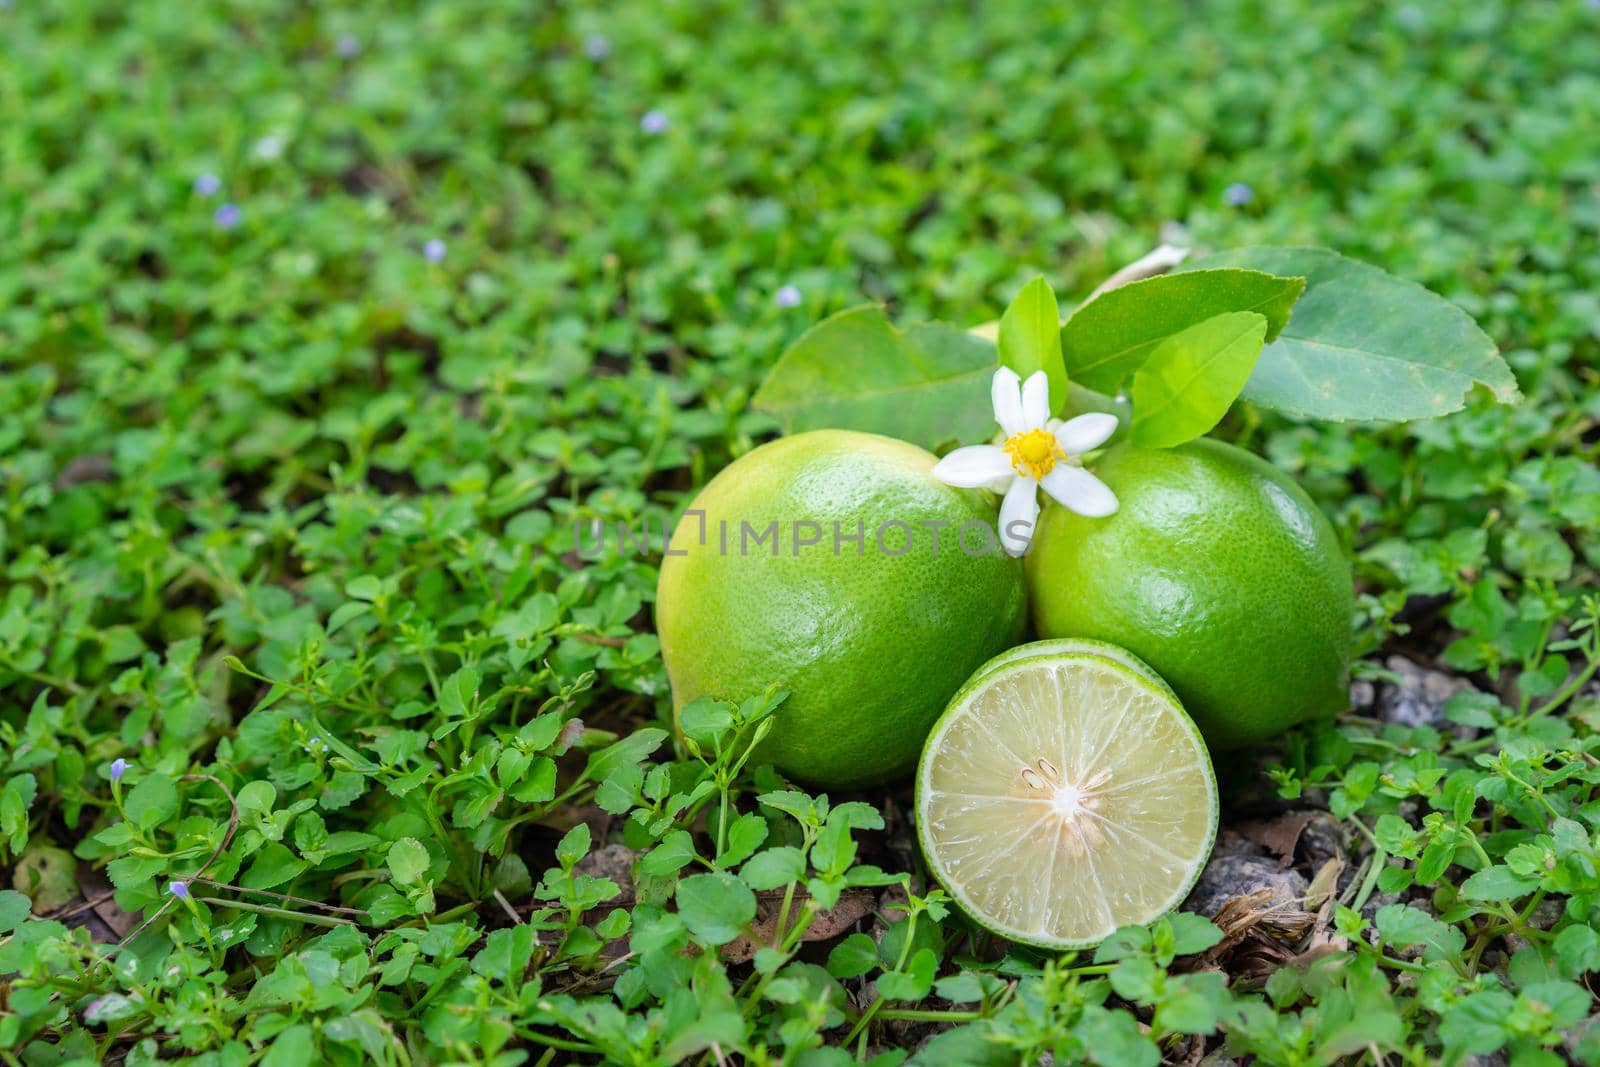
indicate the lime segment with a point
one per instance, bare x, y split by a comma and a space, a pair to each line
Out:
1064, 795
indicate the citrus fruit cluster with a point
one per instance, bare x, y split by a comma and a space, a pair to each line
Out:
1062, 787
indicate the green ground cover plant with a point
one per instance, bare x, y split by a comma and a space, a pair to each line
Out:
331, 335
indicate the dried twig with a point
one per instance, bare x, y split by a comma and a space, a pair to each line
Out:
1157, 261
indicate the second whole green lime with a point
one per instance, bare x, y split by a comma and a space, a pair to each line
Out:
834, 565
1219, 572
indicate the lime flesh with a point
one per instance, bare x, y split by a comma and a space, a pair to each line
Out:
1064, 795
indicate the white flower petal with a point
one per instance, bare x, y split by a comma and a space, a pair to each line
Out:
1019, 512
1077, 489
973, 466
1036, 400
1085, 432
1006, 393
1002, 483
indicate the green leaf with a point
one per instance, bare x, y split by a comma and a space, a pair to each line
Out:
1030, 338
293, 1047
1115, 1040
1190, 379
408, 860
915, 981
1364, 344
574, 845
274, 865
928, 384
1403, 925
1497, 883
1192, 933
14, 908
152, 802
1108, 339
1577, 947
715, 907
775, 868
673, 854
745, 835
853, 957
704, 720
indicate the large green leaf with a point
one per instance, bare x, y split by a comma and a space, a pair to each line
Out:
1030, 338
928, 384
1189, 379
1109, 338
1364, 344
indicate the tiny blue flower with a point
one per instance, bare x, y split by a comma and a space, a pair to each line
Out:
179, 889
654, 121
434, 250
597, 46
227, 216
119, 767
348, 46
787, 297
207, 185
1238, 195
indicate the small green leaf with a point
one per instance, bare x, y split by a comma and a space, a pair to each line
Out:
715, 907
775, 868
1030, 338
914, 982
1497, 883
704, 720
674, 853
574, 845
1192, 933
1364, 344
408, 860
928, 384
14, 908
1108, 339
273, 866
1577, 948
745, 835
293, 1047
853, 957
152, 802
1190, 378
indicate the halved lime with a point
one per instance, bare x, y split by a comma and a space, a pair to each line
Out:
1063, 795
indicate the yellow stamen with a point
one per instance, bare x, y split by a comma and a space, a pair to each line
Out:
1033, 453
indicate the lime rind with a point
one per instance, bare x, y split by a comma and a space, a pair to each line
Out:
1056, 646
1026, 659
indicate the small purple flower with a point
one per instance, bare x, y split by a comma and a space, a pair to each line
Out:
179, 889
434, 250
787, 297
597, 46
654, 121
1238, 195
207, 185
119, 767
227, 216
348, 46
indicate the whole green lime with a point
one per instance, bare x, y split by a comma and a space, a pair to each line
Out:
1219, 572
835, 565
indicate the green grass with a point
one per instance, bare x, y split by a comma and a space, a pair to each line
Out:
288, 517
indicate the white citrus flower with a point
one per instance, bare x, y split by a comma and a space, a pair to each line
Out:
1038, 452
